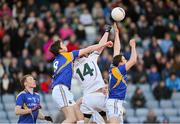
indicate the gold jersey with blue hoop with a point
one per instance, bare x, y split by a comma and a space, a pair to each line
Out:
63, 68
117, 82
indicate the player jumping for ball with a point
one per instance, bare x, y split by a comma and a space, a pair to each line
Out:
88, 74
118, 79
63, 71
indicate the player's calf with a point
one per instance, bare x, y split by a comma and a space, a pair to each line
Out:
69, 113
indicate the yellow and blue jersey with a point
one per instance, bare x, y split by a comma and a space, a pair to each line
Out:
28, 100
63, 68
117, 82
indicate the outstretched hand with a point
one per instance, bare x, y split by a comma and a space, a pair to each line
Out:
132, 42
109, 44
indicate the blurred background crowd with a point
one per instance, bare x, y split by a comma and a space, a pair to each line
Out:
28, 28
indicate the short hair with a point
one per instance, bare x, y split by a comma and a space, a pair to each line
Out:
23, 80
173, 73
55, 47
117, 59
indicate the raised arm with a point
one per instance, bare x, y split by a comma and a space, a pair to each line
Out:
104, 37
133, 59
117, 45
94, 48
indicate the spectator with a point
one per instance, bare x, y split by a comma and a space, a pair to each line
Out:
167, 70
6, 84
153, 76
162, 92
86, 18
31, 6
13, 68
173, 82
28, 67
154, 45
45, 86
38, 57
72, 44
70, 9
143, 29
47, 55
80, 32
165, 121
97, 11
65, 32
165, 43
7, 61
1, 69
138, 100
151, 117
176, 64
159, 28
148, 59
139, 76
24, 55
18, 42
177, 43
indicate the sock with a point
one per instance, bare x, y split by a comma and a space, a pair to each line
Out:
80, 122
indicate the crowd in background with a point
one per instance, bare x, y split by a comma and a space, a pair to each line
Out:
28, 28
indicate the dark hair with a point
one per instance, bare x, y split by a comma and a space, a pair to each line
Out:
23, 80
55, 47
117, 59
173, 73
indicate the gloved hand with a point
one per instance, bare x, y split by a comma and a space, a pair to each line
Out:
35, 108
48, 118
108, 28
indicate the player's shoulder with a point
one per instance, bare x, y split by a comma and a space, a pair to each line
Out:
116, 68
22, 93
36, 93
122, 66
80, 61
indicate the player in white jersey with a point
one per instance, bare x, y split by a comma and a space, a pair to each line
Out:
88, 74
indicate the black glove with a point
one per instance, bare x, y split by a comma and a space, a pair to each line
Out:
107, 28
48, 118
37, 107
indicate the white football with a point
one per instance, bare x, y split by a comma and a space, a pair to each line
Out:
118, 14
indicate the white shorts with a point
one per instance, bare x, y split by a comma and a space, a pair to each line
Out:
96, 101
114, 108
62, 96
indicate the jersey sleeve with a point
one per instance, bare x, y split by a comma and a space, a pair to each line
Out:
94, 56
122, 69
20, 100
75, 54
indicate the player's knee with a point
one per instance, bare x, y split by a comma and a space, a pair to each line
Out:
77, 106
